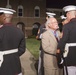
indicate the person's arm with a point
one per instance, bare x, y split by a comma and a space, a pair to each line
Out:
40, 31
61, 46
64, 39
22, 46
38, 34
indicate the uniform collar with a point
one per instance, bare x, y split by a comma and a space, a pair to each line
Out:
74, 19
8, 24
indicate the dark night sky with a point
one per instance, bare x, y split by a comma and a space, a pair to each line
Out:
59, 3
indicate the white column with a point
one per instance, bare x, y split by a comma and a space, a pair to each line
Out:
8, 5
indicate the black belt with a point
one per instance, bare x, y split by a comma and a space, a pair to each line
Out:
49, 53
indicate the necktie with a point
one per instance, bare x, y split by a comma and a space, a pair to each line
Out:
55, 36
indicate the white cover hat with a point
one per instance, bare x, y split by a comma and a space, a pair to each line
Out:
69, 8
7, 10
50, 14
63, 17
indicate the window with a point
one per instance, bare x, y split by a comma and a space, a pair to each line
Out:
20, 10
19, 26
37, 11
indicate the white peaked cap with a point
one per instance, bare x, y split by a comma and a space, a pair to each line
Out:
63, 17
50, 14
7, 10
69, 8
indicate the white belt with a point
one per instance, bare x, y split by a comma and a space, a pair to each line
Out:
20, 74
5, 53
67, 48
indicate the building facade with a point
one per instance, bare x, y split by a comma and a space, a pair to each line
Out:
30, 14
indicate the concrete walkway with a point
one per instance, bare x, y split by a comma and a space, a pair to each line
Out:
27, 62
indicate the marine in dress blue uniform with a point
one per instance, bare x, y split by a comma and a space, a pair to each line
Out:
69, 36
12, 45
